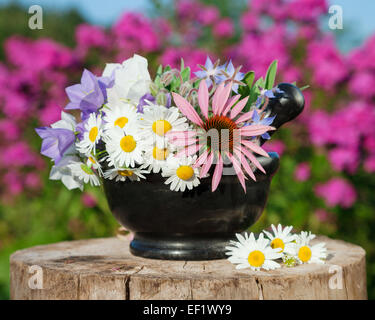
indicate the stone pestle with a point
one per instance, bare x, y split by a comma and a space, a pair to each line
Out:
285, 106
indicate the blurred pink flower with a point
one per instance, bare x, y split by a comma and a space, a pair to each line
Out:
18, 154
363, 84
88, 36
9, 130
13, 182
188, 9
22, 52
326, 63
308, 32
163, 26
369, 164
369, 143
135, 33
32, 181
302, 172
16, 106
276, 9
224, 28
272, 44
249, 21
363, 58
88, 200
50, 113
208, 15
337, 191
192, 57
319, 128
305, 117
344, 158
292, 74
306, 10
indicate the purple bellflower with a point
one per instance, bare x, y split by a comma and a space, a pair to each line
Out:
56, 142
90, 94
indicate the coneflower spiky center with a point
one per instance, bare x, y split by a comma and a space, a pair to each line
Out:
220, 133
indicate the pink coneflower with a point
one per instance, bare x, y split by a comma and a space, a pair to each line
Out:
226, 114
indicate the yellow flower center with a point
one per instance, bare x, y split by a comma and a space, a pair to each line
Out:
125, 173
161, 127
128, 143
160, 154
304, 253
93, 134
92, 160
256, 258
121, 122
277, 243
185, 172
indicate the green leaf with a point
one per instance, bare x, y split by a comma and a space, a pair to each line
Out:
304, 87
175, 84
182, 64
271, 75
185, 74
254, 92
248, 79
160, 70
157, 81
196, 83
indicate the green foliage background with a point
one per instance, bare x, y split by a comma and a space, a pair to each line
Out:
57, 214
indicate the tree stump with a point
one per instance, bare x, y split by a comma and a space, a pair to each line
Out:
104, 269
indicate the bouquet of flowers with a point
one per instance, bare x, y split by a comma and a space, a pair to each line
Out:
183, 126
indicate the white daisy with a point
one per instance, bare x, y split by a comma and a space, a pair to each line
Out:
120, 114
92, 162
253, 253
156, 158
180, 173
281, 238
122, 174
84, 173
124, 149
307, 253
92, 134
158, 120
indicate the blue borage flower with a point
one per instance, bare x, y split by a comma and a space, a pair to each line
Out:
230, 73
266, 121
211, 72
267, 94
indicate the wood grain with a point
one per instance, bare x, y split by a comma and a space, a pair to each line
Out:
104, 269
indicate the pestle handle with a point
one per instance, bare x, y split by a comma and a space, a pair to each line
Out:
286, 106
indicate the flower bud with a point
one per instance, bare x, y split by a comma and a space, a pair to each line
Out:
161, 99
166, 78
154, 89
185, 89
193, 98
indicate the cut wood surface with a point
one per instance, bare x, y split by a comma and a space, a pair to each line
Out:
105, 269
